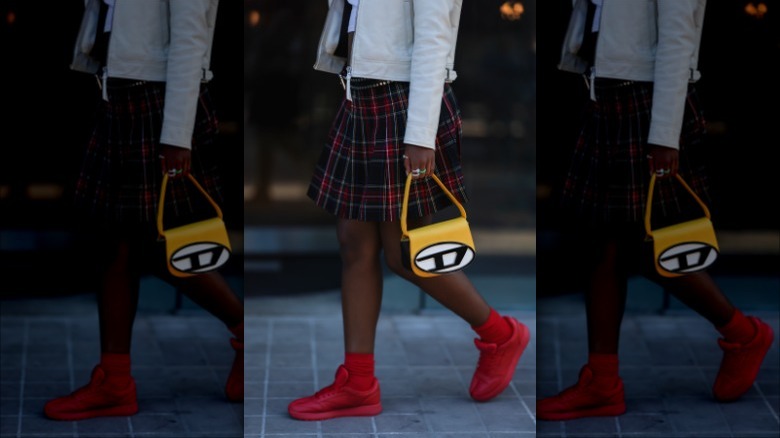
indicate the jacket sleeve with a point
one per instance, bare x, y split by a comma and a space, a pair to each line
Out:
677, 42
189, 40
432, 42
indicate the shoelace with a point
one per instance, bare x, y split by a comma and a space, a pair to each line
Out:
327, 392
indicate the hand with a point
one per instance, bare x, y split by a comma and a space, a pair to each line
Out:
664, 161
175, 160
418, 157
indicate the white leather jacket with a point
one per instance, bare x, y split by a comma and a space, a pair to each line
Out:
644, 40
156, 40
400, 40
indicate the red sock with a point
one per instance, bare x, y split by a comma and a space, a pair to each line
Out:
495, 330
604, 368
739, 329
117, 368
361, 370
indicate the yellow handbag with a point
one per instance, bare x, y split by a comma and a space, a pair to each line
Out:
685, 247
197, 247
438, 248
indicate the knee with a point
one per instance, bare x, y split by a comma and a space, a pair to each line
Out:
356, 248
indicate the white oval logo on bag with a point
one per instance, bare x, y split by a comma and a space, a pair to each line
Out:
444, 257
200, 257
687, 257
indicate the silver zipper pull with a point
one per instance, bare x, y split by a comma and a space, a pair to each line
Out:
592, 84
349, 79
104, 88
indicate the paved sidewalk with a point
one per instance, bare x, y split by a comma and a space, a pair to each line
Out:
180, 363
424, 364
668, 364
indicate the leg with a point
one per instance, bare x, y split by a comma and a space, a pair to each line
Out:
599, 390
454, 291
361, 283
700, 292
605, 300
111, 391
118, 299
502, 339
211, 292
355, 391
746, 339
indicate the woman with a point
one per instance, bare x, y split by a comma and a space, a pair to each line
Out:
643, 117
155, 116
399, 116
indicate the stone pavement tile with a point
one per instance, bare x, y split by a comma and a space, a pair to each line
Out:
348, 425
421, 353
35, 426
9, 426
436, 435
669, 352
401, 405
695, 415
48, 389
438, 382
202, 415
451, 415
157, 405
681, 381
750, 415
101, 427
645, 425
287, 425
159, 425
550, 428
597, 425
290, 389
645, 405
278, 406
399, 423
505, 415
45, 374
290, 374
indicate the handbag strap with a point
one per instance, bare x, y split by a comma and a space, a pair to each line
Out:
405, 205
161, 205
649, 206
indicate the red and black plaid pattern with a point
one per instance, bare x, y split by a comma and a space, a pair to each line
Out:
360, 173
609, 172
119, 182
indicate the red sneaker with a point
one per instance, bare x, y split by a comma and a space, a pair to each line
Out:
337, 400
497, 363
94, 400
584, 399
741, 362
234, 388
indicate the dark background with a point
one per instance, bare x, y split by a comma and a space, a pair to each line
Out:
739, 90
47, 119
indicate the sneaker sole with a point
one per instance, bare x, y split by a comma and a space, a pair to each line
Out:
526, 338
116, 411
601, 411
361, 411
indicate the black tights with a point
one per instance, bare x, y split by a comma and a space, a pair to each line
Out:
128, 258
605, 297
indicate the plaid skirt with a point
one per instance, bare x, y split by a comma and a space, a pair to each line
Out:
360, 173
119, 182
606, 186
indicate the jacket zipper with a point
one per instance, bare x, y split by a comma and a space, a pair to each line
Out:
349, 79
105, 68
